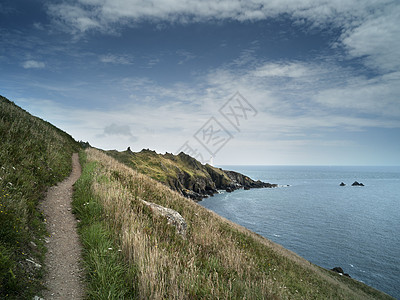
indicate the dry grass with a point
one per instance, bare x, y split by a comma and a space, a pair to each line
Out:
218, 260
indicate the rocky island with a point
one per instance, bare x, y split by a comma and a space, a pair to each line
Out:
185, 174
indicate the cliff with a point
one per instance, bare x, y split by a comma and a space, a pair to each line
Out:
185, 174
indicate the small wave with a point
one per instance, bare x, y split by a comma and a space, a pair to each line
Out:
351, 266
276, 235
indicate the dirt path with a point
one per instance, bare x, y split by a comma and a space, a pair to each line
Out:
64, 279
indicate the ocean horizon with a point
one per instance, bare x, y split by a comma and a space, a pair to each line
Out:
353, 227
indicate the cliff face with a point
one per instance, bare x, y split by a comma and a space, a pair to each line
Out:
185, 174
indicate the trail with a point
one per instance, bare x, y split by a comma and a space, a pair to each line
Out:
64, 279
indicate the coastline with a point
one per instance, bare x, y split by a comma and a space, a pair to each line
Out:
292, 217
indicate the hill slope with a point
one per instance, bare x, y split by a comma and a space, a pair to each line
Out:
33, 156
185, 174
141, 255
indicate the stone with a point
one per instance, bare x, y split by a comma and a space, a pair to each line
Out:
340, 271
173, 217
342, 184
356, 183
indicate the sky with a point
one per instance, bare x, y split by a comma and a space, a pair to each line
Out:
230, 82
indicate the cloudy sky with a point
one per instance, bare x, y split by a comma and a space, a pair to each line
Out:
246, 82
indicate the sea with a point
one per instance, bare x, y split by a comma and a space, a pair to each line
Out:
355, 228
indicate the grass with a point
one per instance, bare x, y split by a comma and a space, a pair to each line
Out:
176, 171
218, 259
33, 156
108, 275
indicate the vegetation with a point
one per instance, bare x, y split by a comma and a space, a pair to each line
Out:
164, 168
33, 156
185, 174
217, 259
129, 252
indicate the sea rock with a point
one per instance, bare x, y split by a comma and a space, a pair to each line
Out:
340, 271
192, 195
173, 217
356, 183
342, 184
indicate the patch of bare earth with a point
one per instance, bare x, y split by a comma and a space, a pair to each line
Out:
64, 279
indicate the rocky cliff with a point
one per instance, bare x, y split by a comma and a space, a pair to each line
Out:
185, 174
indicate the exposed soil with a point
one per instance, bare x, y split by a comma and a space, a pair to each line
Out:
65, 276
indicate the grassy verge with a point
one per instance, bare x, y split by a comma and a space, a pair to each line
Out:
33, 156
218, 259
107, 274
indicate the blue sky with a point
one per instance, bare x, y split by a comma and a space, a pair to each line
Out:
318, 81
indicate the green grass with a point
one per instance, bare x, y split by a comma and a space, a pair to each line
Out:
33, 156
107, 274
168, 168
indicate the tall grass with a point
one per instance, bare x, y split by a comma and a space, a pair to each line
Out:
217, 260
33, 155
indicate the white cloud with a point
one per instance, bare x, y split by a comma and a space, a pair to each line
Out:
33, 64
87, 14
75, 17
376, 39
116, 59
373, 97
295, 70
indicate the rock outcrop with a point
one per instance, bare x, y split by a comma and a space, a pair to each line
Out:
340, 271
173, 217
187, 175
356, 183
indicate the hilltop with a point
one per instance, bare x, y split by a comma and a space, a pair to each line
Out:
185, 174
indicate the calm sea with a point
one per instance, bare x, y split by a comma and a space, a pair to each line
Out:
356, 228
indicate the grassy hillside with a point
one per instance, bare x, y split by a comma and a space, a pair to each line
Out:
132, 253
33, 156
185, 174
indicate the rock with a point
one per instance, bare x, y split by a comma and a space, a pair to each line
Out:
340, 271
342, 184
173, 217
192, 195
188, 176
356, 183
337, 269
